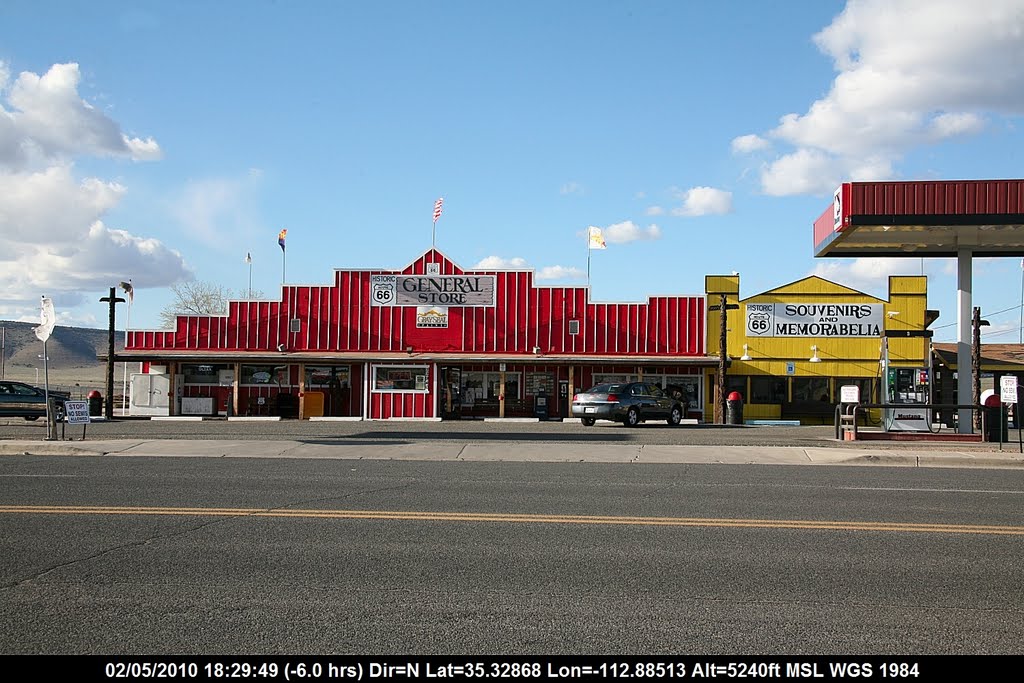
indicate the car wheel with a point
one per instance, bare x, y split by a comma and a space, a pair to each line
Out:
588, 421
632, 417
676, 416
31, 418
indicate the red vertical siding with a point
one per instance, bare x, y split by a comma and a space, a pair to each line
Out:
339, 318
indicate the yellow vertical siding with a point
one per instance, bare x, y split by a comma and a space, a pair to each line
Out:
841, 357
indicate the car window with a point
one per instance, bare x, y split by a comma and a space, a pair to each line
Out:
637, 390
23, 390
605, 389
4, 389
654, 390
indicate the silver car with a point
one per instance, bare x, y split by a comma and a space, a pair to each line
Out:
629, 403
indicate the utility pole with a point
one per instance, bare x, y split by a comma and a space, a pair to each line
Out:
976, 362
720, 402
112, 300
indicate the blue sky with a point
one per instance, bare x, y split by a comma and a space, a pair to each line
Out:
162, 141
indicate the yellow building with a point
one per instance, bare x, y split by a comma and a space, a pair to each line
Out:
790, 349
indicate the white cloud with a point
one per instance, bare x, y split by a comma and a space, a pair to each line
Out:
745, 144
910, 73
655, 211
48, 120
53, 240
869, 275
499, 263
701, 201
628, 231
572, 187
560, 273
219, 212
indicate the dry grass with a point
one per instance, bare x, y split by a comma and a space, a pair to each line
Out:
79, 381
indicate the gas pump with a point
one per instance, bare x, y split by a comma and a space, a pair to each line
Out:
907, 391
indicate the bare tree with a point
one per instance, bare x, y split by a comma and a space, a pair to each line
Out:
199, 297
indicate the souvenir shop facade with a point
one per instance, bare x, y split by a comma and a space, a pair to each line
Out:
793, 348
428, 341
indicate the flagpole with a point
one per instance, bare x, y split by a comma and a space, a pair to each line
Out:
1020, 339
124, 374
588, 260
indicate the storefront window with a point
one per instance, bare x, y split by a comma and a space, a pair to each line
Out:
322, 377
264, 374
764, 389
400, 378
811, 389
736, 383
540, 382
689, 385
202, 374
478, 387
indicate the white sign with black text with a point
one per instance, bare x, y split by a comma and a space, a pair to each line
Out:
76, 412
814, 320
1008, 389
432, 290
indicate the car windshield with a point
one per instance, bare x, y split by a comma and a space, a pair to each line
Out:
606, 389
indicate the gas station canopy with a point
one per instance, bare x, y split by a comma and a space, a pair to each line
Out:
923, 218
959, 218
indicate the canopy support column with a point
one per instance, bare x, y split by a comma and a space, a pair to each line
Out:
964, 385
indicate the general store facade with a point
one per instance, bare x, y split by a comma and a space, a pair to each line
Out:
428, 341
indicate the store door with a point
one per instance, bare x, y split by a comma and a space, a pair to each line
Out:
449, 397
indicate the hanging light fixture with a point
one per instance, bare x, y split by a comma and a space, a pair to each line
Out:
745, 356
814, 356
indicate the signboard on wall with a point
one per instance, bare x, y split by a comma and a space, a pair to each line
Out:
431, 316
814, 320
432, 290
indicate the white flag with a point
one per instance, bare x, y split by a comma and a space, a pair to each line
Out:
595, 239
47, 319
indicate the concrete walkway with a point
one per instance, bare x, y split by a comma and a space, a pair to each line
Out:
929, 455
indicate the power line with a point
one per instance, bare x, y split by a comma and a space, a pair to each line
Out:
987, 315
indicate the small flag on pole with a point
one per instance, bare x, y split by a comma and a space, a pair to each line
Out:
248, 257
596, 239
129, 290
438, 207
280, 238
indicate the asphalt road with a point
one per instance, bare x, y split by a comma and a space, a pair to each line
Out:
271, 556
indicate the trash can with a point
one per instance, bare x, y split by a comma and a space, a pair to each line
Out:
95, 403
734, 408
540, 406
995, 419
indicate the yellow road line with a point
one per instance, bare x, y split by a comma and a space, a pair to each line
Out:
516, 518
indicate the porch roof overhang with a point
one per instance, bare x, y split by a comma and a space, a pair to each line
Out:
277, 358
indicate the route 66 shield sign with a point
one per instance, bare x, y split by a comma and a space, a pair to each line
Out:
759, 323
382, 290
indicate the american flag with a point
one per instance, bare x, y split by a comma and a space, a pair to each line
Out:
438, 206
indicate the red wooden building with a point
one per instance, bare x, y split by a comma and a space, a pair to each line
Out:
430, 340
